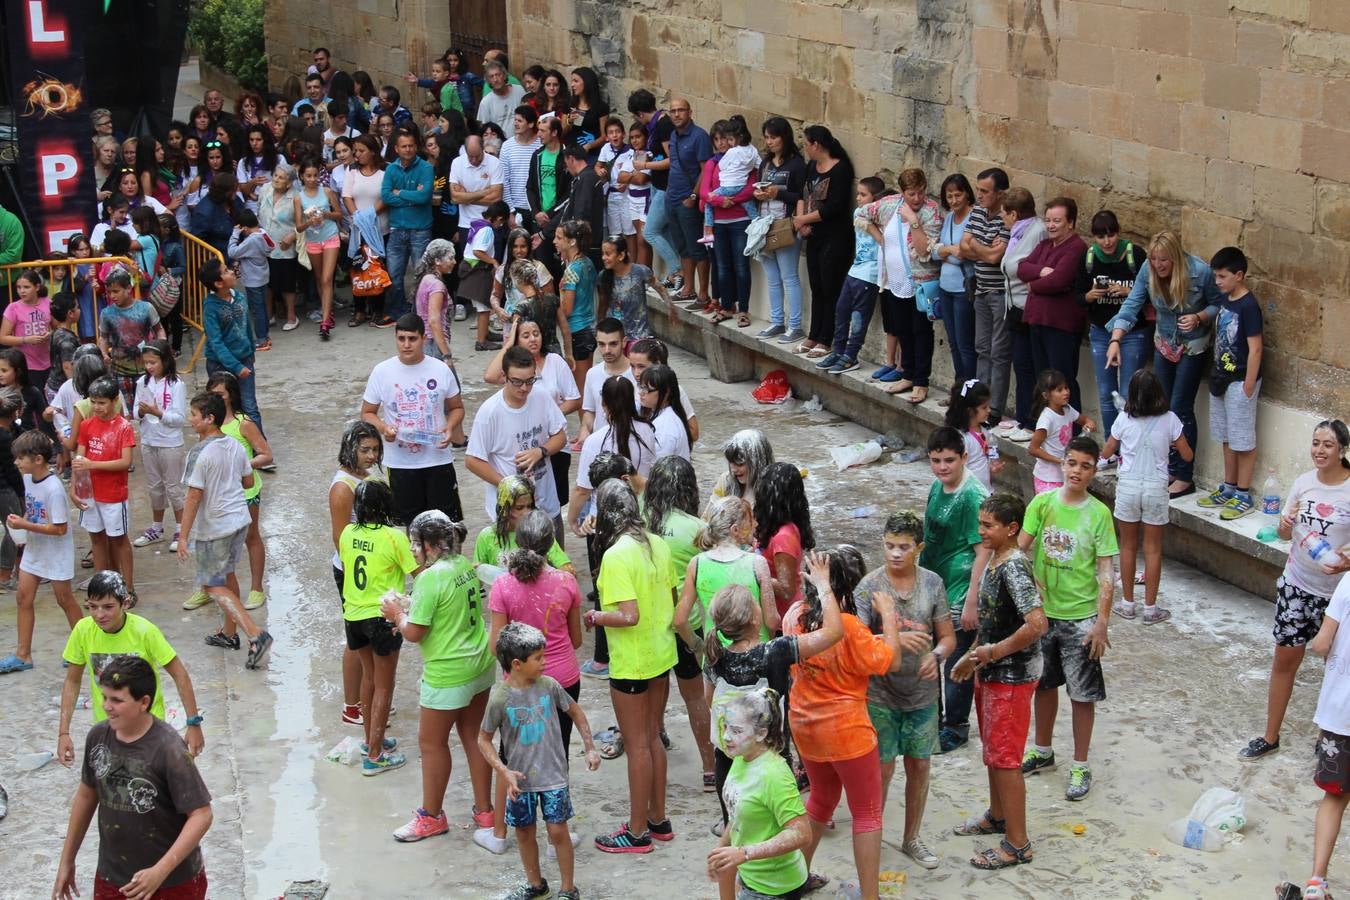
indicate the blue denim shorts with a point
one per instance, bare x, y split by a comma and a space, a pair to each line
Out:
556, 804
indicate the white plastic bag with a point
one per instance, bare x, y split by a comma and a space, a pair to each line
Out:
1214, 820
859, 454
347, 751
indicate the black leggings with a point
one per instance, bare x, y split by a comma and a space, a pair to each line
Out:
601, 655
565, 721
827, 264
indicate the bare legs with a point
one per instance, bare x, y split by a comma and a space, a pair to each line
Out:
640, 718
27, 593
700, 721
1282, 671
1084, 715
433, 740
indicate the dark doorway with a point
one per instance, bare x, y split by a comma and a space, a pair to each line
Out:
476, 25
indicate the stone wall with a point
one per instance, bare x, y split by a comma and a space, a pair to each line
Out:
1217, 117
385, 37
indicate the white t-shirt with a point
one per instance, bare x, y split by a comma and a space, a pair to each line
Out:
1131, 432
896, 245
47, 555
590, 393
619, 161
1058, 429
100, 233
671, 439
511, 297
641, 454
556, 380
413, 398
166, 430
1333, 701
1322, 509
217, 467
483, 240
977, 458
365, 190
737, 164
500, 432
475, 178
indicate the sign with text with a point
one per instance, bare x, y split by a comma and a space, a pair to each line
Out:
56, 162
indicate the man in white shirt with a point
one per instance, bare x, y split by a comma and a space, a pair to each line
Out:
514, 432
502, 98
516, 153
476, 179
609, 340
337, 127
415, 403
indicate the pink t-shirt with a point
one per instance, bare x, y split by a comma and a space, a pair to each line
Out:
29, 320
545, 604
787, 539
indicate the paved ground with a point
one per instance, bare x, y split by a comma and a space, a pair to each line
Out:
1183, 698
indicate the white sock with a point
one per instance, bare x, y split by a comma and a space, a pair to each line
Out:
1044, 750
1080, 762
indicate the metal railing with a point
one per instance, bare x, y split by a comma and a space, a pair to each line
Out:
190, 302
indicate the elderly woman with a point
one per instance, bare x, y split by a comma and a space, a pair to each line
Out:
1025, 233
106, 150
1183, 293
276, 215
1054, 310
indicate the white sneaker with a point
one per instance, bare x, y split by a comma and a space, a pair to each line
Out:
484, 838
461, 312
152, 535
552, 852
316, 315
1020, 435
173, 544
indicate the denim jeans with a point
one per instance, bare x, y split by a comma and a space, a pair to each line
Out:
852, 315
1024, 367
733, 266
657, 231
1181, 382
784, 278
1134, 352
404, 245
993, 348
1055, 348
257, 304
957, 696
958, 318
248, 393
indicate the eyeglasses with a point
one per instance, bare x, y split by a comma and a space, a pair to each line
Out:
643, 389
522, 382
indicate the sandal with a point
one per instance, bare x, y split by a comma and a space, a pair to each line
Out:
991, 859
88, 561
818, 353
814, 882
609, 742
918, 395
264, 346
985, 824
719, 317
356, 320
898, 387
743, 320
803, 348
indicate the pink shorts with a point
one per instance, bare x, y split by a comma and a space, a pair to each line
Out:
1004, 714
1043, 487
331, 244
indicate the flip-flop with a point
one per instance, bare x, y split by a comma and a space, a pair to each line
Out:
814, 882
609, 742
12, 663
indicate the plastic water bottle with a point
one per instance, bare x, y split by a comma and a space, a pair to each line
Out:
488, 573
81, 484
1319, 549
420, 436
1195, 835
1270, 495
19, 536
1118, 400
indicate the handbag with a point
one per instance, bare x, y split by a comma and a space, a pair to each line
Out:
165, 293
371, 281
781, 234
926, 297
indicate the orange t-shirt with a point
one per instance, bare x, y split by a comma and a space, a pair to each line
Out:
829, 692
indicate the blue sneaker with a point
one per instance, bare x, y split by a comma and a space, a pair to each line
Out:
387, 744
843, 365
828, 360
890, 377
882, 373
385, 763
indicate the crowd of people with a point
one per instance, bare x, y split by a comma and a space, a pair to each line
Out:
807, 674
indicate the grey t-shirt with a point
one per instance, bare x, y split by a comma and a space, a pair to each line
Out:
1008, 593
921, 611
530, 733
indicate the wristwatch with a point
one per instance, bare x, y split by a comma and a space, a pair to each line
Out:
195, 720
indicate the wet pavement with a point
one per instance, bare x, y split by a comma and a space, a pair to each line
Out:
1183, 697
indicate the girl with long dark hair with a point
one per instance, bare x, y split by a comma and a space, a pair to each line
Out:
783, 174
256, 163
659, 395
783, 529
624, 434
589, 111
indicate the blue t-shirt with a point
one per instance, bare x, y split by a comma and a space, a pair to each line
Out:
952, 275
865, 254
580, 277
1238, 320
688, 153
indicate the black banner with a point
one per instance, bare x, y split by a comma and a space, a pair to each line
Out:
47, 72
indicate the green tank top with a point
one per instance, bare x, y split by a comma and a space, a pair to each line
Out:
712, 575
235, 429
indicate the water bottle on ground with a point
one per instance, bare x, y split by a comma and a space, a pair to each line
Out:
31, 762
1270, 495
1195, 835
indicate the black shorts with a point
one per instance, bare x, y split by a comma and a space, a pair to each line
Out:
283, 275
338, 575
892, 322
634, 685
583, 344
377, 634
1065, 660
1332, 773
561, 463
686, 663
418, 490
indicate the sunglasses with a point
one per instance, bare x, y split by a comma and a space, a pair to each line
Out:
211, 145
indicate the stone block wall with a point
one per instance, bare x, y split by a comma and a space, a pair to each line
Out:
1222, 118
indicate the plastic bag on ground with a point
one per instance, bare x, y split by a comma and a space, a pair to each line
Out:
1217, 816
347, 751
859, 454
773, 389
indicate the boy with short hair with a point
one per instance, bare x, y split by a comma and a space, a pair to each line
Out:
952, 548
1235, 385
230, 338
250, 247
903, 705
123, 325
522, 706
103, 448
1008, 662
1072, 540
111, 631
49, 551
475, 278
858, 298
153, 806
63, 341
216, 475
